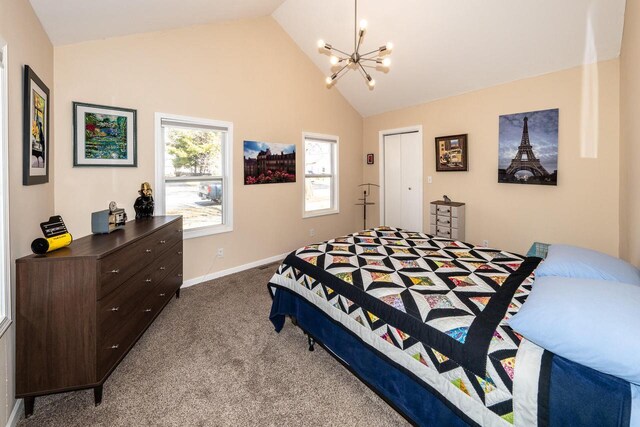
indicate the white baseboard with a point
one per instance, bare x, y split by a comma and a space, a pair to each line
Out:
15, 414
232, 270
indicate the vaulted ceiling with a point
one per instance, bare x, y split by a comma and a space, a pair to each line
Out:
442, 47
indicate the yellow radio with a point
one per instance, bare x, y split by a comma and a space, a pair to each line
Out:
56, 236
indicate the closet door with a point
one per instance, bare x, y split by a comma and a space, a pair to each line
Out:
403, 181
393, 180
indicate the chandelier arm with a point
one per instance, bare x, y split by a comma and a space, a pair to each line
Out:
341, 69
359, 41
364, 71
377, 51
355, 28
369, 59
344, 53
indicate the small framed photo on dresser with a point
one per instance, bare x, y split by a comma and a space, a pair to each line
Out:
452, 153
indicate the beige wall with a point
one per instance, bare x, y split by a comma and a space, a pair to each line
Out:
582, 209
630, 136
247, 72
29, 206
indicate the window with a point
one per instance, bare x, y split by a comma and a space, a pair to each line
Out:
320, 175
193, 175
5, 262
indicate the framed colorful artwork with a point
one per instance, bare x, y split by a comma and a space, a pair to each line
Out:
104, 136
452, 153
36, 151
269, 163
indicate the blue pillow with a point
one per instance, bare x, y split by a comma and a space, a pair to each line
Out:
592, 322
571, 261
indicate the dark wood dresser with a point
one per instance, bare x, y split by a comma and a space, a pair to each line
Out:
80, 309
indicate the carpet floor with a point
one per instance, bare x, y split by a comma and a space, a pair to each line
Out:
212, 358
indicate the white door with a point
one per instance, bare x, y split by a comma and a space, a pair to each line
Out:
403, 206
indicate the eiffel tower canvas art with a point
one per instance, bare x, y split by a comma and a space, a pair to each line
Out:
528, 150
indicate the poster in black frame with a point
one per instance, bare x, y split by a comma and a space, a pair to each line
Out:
36, 144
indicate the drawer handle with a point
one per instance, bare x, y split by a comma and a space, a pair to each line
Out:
115, 346
162, 242
179, 252
115, 271
147, 310
161, 295
147, 280
179, 274
115, 308
163, 268
148, 251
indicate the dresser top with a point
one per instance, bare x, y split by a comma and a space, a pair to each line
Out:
99, 245
443, 203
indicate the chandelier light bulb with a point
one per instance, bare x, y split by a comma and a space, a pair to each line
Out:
321, 44
386, 62
389, 46
328, 80
372, 83
363, 24
334, 60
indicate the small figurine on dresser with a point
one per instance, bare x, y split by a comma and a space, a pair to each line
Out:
144, 203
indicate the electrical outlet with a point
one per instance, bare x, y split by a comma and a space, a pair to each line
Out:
312, 232
220, 252
429, 180
485, 243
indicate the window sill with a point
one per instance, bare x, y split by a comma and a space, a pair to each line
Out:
5, 323
313, 214
206, 231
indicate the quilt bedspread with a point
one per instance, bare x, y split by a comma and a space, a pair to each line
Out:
444, 303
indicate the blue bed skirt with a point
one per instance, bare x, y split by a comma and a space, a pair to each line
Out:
577, 396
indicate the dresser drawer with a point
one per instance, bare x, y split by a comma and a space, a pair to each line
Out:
167, 262
168, 236
117, 308
173, 281
112, 346
117, 267
447, 221
443, 210
443, 232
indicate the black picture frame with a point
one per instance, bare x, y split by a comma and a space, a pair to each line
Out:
36, 142
452, 153
115, 155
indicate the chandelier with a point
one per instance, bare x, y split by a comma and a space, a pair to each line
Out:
342, 62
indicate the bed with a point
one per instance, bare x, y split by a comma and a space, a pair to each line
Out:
423, 322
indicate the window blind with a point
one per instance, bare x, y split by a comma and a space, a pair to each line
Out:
188, 125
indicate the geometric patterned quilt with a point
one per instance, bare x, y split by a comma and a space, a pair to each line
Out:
443, 302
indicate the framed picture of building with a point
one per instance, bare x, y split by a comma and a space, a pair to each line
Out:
36, 151
528, 148
451, 153
269, 163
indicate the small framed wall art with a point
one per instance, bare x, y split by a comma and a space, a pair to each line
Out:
452, 153
104, 136
36, 130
